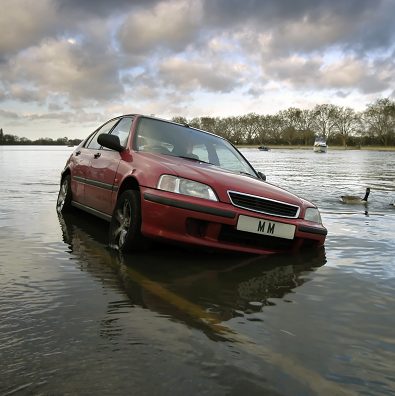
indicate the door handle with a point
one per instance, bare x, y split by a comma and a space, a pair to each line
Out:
78, 152
97, 155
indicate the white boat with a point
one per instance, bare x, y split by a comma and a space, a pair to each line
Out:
320, 146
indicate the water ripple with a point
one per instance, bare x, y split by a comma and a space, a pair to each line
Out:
174, 321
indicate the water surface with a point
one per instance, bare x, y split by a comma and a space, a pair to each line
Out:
77, 318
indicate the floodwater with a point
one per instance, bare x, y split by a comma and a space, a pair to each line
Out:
77, 318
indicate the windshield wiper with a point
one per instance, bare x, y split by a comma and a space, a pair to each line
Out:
194, 159
247, 174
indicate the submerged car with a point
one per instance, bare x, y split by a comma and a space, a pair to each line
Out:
156, 179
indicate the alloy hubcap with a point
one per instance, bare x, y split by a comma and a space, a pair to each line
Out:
123, 217
62, 196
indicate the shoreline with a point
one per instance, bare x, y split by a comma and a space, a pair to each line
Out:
252, 146
330, 148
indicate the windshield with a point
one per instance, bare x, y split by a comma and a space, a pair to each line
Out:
181, 141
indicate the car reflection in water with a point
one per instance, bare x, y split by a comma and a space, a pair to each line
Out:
202, 290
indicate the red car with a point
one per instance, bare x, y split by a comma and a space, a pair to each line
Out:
155, 179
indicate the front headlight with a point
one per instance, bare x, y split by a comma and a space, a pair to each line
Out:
313, 214
192, 188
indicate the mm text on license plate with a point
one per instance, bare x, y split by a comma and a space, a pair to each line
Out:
265, 227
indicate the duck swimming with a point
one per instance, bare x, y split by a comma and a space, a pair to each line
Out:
353, 199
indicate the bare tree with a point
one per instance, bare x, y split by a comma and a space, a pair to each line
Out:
180, 120
290, 124
324, 119
305, 122
250, 126
270, 129
300, 126
346, 122
235, 130
297, 125
380, 120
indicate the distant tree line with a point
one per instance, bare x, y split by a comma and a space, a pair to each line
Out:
6, 139
337, 125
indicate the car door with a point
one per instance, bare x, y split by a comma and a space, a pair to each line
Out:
103, 168
79, 163
82, 160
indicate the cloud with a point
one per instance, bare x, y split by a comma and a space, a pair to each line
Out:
189, 75
344, 73
25, 22
171, 25
309, 25
21, 93
294, 70
9, 115
63, 67
280, 29
100, 8
59, 59
353, 73
67, 117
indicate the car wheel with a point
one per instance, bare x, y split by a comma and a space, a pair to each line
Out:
125, 234
63, 204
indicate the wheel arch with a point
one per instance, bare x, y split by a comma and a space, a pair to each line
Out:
65, 172
129, 183
129, 191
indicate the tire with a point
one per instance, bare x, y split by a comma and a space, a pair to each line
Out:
125, 227
63, 203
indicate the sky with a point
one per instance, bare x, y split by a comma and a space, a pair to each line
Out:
67, 66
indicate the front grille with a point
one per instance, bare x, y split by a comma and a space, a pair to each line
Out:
231, 235
263, 205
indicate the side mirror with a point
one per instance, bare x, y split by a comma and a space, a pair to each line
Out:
110, 141
261, 176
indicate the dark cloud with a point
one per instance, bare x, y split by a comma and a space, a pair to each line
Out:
342, 94
24, 23
148, 29
101, 8
192, 75
9, 115
309, 25
53, 107
295, 70
270, 13
344, 74
20, 93
371, 84
75, 70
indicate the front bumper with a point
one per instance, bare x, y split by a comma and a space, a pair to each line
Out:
212, 225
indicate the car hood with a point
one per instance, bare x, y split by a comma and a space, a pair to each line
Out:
223, 181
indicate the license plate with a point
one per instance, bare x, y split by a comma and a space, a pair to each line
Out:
265, 227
